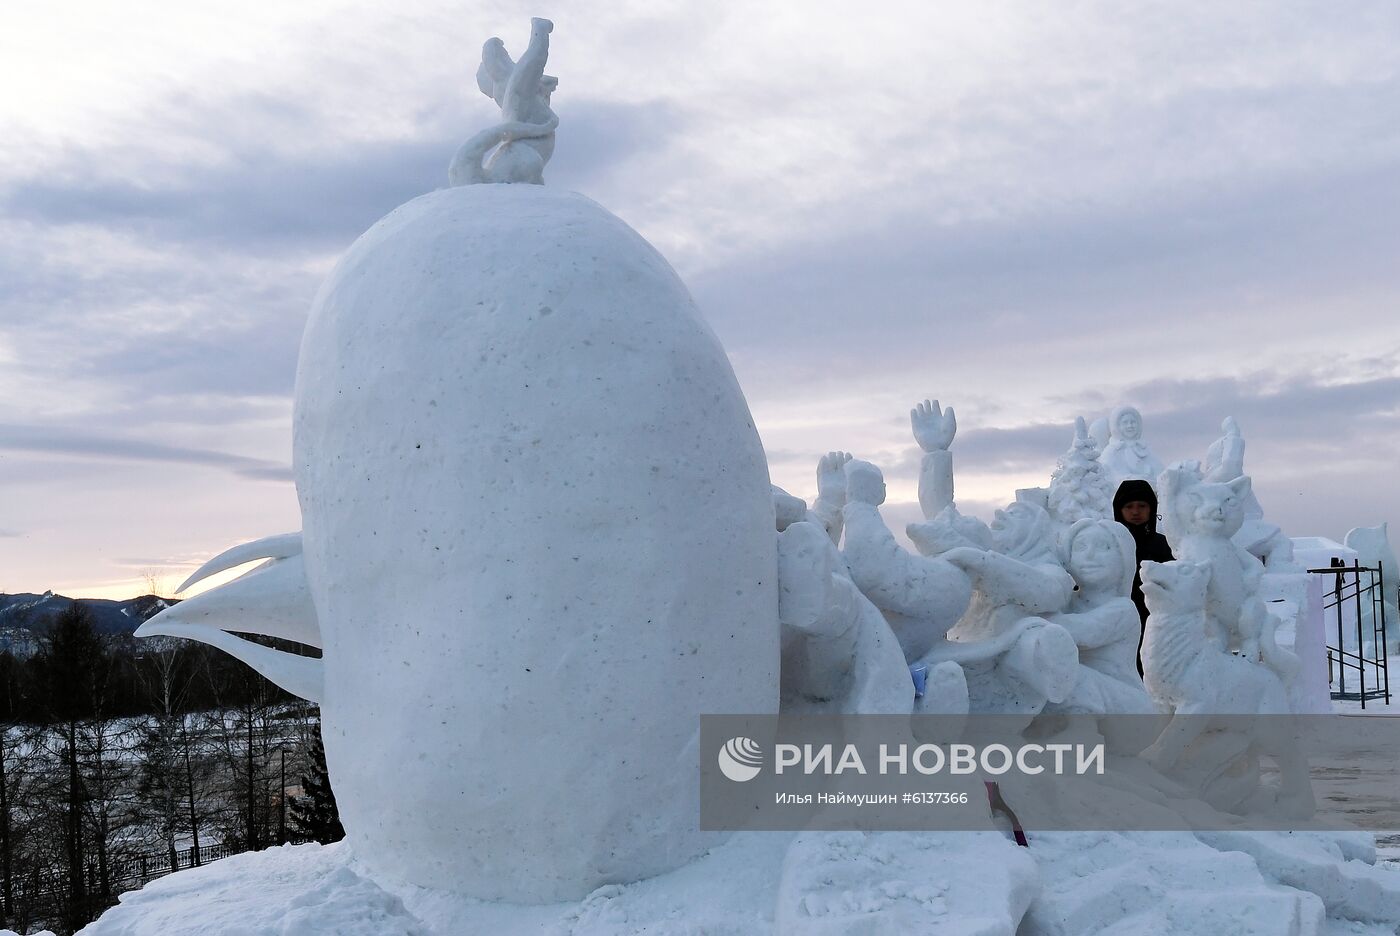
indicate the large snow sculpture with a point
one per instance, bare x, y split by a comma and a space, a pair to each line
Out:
1103, 621
538, 535
1186, 669
1126, 455
974, 595
1264, 541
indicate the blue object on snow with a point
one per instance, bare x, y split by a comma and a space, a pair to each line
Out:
919, 673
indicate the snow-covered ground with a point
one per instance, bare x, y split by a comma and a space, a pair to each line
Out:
956, 884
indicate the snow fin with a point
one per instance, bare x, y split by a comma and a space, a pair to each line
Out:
281, 546
271, 599
299, 675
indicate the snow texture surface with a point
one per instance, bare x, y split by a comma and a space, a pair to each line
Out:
527, 470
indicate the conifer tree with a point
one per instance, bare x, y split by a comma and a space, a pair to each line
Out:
314, 816
1080, 487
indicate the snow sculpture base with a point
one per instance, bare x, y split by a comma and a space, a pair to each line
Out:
538, 533
828, 883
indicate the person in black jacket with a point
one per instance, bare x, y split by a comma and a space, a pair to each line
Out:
1135, 506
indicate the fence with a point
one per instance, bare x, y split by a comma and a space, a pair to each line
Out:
45, 892
1354, 609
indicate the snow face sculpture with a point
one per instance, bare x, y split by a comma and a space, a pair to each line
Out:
522, 143
1103, 621
1264, 541
1187, 670
1202, 517
508, 417
1079, 487
1126, 455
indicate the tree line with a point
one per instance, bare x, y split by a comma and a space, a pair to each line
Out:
114, 749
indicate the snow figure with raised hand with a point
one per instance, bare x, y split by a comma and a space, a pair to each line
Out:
508, 416
920, 598
1264, 541
1103, 621
1079, 487
934, 429
838, 652
1126, 455
522, 143
943, 527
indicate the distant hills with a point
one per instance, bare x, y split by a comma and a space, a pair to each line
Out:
24, 617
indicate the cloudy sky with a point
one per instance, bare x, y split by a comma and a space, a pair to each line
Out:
1027, 210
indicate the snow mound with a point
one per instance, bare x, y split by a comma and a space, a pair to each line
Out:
294, 890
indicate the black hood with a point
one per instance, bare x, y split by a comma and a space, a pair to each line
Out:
1135, 489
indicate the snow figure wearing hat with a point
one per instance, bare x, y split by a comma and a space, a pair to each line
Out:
1126, 455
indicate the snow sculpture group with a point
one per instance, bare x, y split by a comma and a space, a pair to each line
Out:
539, 541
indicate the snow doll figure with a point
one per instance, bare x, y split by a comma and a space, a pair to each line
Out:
1126, 455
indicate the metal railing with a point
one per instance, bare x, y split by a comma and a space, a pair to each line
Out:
1354, 606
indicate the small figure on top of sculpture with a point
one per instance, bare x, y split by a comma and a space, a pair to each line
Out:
1265, 541
1080, 488
516, 149
1126, 455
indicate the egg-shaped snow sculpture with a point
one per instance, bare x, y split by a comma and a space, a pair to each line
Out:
538, 533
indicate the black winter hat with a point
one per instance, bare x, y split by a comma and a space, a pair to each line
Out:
1135, 489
